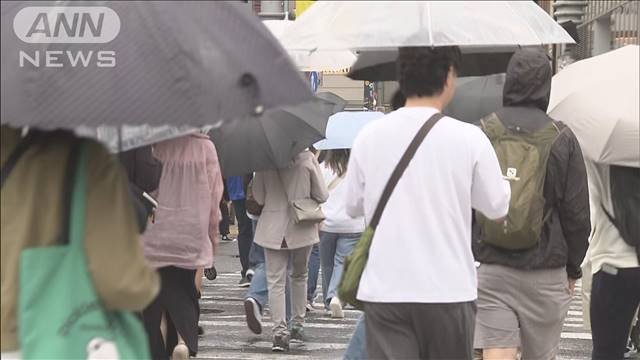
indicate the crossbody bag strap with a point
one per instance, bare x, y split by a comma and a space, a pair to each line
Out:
402, 166
70, 185
16, 154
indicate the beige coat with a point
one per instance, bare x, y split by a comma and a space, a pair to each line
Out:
302, 180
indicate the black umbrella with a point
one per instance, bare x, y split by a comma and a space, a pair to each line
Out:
476, 97
271, 140
381, 65
69, 63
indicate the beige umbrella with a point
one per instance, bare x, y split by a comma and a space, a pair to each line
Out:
598, 99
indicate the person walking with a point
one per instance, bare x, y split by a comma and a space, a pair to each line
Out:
284, 238
237, 187
425, 228
225, 218
339, 233
33, 198
614, 252
529, 265
182, 240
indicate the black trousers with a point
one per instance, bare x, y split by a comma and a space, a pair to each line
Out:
179, 299
614, 300
420, 331
224, 222
245, 234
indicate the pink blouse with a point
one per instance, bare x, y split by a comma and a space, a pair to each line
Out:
188, 197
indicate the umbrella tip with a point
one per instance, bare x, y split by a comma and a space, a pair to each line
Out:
258, 110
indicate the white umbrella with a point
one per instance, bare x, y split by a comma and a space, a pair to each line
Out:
368, 25
598, 99
312, 61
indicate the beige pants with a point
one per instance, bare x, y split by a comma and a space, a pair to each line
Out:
276, 262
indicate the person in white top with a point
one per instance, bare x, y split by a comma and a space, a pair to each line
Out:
615, 265
419, 285
339, 233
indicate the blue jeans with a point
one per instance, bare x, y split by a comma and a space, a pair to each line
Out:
314, 269
357, 349
258, 289
334, 248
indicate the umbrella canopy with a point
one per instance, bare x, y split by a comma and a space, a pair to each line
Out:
272, 139
369, 25
476, 97
127, 137
380, 65
343, 127
598, 99
66, 64
312, 61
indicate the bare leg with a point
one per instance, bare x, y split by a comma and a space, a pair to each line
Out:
163, 327
199, 273
500, 354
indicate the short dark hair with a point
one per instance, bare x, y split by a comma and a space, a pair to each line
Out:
422, 71
398, 100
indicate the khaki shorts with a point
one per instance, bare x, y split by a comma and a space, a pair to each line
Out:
521, 308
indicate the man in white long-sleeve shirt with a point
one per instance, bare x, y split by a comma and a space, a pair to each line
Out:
419, 285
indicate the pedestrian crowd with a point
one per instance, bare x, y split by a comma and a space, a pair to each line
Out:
474, 235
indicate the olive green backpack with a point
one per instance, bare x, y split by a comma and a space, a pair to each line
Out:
523, 157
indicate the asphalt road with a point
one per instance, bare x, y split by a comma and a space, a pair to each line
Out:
227, 336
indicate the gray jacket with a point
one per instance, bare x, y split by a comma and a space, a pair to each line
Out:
302, 180
564, 238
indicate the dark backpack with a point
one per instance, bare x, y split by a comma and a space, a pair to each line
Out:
625, 199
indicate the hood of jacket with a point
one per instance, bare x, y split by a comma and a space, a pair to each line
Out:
528, 81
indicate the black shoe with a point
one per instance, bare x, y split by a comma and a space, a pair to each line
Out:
244, 282
227, 238
254, 316
211, 273
280, 343
200, 330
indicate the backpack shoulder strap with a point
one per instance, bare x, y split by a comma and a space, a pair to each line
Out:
492, 126
16, 154
402, 166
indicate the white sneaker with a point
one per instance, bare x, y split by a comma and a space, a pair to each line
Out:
336, 308
180, 352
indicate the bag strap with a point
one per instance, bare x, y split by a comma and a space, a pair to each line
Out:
16, 154
402, 166
71, 202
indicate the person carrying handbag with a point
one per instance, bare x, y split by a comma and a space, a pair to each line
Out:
288, 228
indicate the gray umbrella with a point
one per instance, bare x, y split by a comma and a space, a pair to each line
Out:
271, 140
476, 97
146, 62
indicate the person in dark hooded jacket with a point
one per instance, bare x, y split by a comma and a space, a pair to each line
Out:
524, 295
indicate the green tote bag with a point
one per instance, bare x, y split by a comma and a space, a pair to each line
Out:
60, 315
354, 264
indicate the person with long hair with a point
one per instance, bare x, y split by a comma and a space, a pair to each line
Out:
339, 233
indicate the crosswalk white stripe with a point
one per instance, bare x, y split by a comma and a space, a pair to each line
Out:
269, 324
576, 335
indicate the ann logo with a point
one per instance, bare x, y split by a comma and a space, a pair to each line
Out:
66, 24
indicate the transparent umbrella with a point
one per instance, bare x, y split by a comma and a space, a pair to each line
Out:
370, 25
